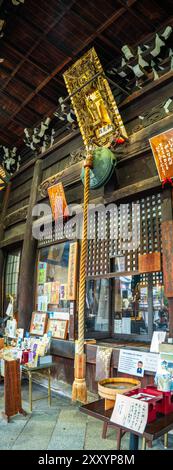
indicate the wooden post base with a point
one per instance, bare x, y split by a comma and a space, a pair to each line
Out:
7, 418
109, 404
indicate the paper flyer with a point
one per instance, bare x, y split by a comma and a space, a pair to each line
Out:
130, 413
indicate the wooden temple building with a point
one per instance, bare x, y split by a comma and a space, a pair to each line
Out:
129, 295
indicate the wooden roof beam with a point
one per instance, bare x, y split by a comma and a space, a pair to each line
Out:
136, 15
105, 25
26, 84
16, 51
57, 20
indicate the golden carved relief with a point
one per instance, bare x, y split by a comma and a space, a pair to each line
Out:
94, 104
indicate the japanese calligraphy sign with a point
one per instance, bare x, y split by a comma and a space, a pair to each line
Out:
130, 413
72, 271
57, 200
167, 245
162, 148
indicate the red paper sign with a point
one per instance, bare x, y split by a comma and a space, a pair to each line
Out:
162, 148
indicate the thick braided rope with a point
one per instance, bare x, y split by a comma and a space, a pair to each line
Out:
81, 313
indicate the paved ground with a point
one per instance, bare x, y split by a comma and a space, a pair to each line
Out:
61, 427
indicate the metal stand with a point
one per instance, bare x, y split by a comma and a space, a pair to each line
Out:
30, 389
143, 443
166, 441
134, 442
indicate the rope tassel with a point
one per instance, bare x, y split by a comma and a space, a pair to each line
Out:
79, 390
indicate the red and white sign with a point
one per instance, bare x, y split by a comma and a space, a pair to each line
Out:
162, 148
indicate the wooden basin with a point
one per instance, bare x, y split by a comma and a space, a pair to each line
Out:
108, 388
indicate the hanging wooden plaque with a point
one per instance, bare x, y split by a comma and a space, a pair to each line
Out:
93, 102
167, 246
72, 271
162, 148
149, 262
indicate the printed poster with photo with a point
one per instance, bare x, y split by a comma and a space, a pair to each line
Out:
131, 362
136, 362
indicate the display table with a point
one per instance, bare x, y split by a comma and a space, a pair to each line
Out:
153, 431
30, 371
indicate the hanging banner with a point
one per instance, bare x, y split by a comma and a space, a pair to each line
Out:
57, 200
162, 148
93, 102
167, 246
72, 271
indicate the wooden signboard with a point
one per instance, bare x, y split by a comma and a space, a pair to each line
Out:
57, 200
162, 148
38, 323
149, 262
58, 328
167, 246
12, 389
72, 271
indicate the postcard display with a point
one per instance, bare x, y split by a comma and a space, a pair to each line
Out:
55, 301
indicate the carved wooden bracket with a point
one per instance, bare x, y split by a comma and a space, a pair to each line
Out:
16, 216
155, 114
68, 175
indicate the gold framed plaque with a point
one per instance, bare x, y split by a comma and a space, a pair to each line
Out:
93, 102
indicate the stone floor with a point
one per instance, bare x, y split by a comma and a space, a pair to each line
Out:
60, 427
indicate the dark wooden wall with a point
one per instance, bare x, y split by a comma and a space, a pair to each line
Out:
135, 173
64, 367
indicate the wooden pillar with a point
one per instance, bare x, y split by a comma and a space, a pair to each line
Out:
28, 258
167, 245
2, 230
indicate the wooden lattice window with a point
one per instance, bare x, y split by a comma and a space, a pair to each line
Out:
11, 277
145, 214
